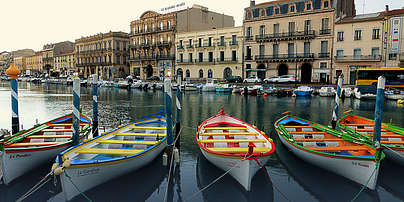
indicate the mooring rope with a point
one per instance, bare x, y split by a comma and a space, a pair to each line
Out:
276, 187
35, 188
171, 163
364, 186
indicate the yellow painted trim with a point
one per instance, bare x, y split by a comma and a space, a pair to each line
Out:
232, 140
241, 133
109, 151
225, 128
128, 142
145, 127
141, 134
239, 149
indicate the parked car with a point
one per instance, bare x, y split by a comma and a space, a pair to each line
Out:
273, 79
252, 79
234, 79
153, 78
287, 79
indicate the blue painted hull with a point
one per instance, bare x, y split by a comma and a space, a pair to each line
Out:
302, 93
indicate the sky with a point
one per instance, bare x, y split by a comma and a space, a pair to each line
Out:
33, 23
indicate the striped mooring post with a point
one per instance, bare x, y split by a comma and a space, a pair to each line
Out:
337, 101
178, 118
76, 110
168, 108
95, 105
379, 110
13, 72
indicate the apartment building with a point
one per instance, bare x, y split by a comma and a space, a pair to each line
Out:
394, 26
49, 51
34, 63
213, 53
64, 63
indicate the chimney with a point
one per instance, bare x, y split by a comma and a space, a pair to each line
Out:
387, 8
252, 3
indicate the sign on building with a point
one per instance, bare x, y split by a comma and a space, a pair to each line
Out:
395, 35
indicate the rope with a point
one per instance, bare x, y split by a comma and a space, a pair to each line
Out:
217, 179
82, 193
36, 187
171, 163
364, 186
276, 187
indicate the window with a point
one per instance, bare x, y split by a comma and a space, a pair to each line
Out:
323, 65
221, 41
190, 42
200, 58
326, 4
276, 29
161, 25
145, 28
262, 50
200, 42
340, 54
248, 15
234, 55
292, 8
307, 26
358, 35
221, 56
376, 33
262, 13
275, 50
181, 57
308, 6
187, 73
200, 73
324, 26
248, 55
249, 32
210, 41
180, 43
392, 56
306, 49
234, 39
375, 51
291, 28
357, 53
340, 36
262, 30
210, 73
277, 10
190, 57
168, 24
324, 47
291, 50
210, 56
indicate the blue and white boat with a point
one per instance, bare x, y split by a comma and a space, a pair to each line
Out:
303, 91
394, 94
225, 88
115, 153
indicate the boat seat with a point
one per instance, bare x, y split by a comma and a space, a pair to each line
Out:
368, 130
31, 144
108, 151
308, 132
141, 134
57, 130
231, 140
239, 149
392, 142
307, 129
291, 129
317, 140
65, 124
128, 142
392, 135
225, 128
308, 136
48, 136
148, 127
319, 144
341, 148
358, 124
230, 133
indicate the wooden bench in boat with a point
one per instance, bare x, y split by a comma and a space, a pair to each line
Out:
239, 149
65, 124
341, 148
231, 140
368, 130
128, 142
225, 128
48, 136
57, 130
142, 134
317, 140
297, 126
307, 132
147, 127
358, 124
33, 144
226, 134
391, 142
108, 151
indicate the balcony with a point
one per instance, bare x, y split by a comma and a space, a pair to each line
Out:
284, 57
204, 61
155, 30
226, 60
190, 46
221, 44
325, 31
302, 35
164, 43
180, 47
185, 62
324, 55
233, 43
165, 57
359, 58
248, 58
249, 38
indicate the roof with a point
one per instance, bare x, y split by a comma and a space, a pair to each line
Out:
394, 12
362, 18
271, 2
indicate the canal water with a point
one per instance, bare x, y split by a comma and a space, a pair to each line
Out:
290, 179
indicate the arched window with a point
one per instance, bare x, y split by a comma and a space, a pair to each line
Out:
210, 73
277, 10
227, 73
200, 73
308, 6
180, 73
187, 73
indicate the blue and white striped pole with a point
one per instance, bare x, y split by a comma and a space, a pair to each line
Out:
337, 101
95, 105
168, 107
178, 118
76, 110
379, 110
13, 72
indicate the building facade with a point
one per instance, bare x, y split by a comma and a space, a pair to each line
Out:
49, 52
34, 63
104, 54
358, 43
153, 35
213, 53
292, 37
394, 26
19, 63
64, 64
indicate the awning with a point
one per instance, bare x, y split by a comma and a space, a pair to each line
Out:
255, 70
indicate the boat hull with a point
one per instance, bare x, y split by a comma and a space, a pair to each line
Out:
360, 171
302, 93
396, 155
395, 96
16, 164
88, 177
241, 170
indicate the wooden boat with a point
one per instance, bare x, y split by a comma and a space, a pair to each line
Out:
117, 152
326, 91
225, 88
365, 92
362, 128
330, 150
303, 91
28, 149
235, 146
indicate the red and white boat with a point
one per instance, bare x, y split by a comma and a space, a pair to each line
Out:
234, 146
